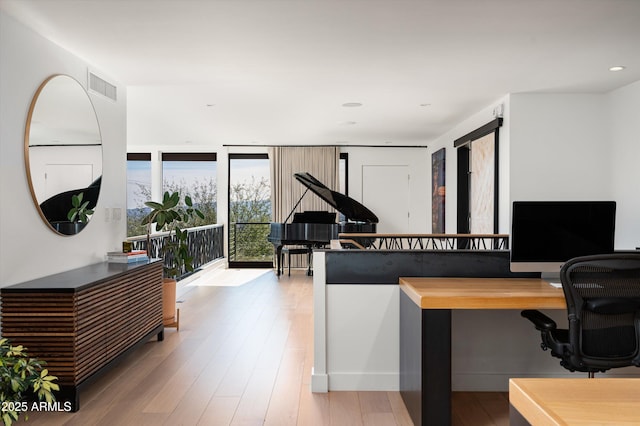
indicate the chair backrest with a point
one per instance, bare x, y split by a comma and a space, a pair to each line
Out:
603, 305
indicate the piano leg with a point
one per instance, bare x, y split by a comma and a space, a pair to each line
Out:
309, 260
278, 260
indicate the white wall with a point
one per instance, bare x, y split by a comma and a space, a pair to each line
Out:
579, 146
624, 145
418, 162
28, 248
559, 148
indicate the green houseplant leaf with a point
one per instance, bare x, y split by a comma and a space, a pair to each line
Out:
170, 216
79, 211
21, 375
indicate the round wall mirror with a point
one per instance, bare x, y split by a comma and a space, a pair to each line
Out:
63, 154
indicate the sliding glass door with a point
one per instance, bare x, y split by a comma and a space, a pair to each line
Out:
249, 211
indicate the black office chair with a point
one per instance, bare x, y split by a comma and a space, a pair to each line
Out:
603, 306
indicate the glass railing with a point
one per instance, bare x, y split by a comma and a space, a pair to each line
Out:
248, 243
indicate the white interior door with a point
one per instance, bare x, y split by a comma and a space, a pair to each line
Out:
385, 191
65, 177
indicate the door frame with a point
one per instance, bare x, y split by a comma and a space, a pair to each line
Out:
463, 150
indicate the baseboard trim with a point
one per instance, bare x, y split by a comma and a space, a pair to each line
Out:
364, 382
319, 382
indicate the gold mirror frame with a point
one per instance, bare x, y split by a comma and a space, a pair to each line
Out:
62, 151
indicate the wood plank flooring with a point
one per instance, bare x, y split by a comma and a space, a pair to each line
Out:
243, 356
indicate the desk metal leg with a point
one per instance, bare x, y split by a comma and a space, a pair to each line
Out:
425, 362
436, 364
411, 357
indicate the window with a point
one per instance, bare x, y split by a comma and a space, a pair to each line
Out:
138, 191
193, 174
249, 210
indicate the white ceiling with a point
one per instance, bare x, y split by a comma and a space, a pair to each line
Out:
278, 71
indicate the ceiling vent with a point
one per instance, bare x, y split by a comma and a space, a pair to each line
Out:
102, 87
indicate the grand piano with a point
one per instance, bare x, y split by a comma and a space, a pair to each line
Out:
314, 229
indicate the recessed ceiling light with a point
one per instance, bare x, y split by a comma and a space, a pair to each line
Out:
351, 104
617, 68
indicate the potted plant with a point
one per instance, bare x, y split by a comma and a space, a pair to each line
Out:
79, 211
20, 376
170, 216
78, 216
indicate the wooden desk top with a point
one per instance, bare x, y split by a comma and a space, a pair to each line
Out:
579, 401
483, 293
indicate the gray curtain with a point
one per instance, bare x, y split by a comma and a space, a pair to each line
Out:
321, 162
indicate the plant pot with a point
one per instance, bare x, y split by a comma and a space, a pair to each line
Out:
68, 228
169, 302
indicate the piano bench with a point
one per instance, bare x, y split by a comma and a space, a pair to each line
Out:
295, 250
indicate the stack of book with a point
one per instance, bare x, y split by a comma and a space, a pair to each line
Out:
128, 257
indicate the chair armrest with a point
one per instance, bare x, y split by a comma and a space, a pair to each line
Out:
540, 320
612, 305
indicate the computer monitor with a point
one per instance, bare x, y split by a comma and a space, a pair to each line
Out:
545, 234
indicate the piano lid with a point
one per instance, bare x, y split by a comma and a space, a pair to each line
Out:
349, 207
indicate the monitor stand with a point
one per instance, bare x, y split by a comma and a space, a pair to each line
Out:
552, 278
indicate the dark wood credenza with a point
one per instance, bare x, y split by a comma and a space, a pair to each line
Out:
83, 321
